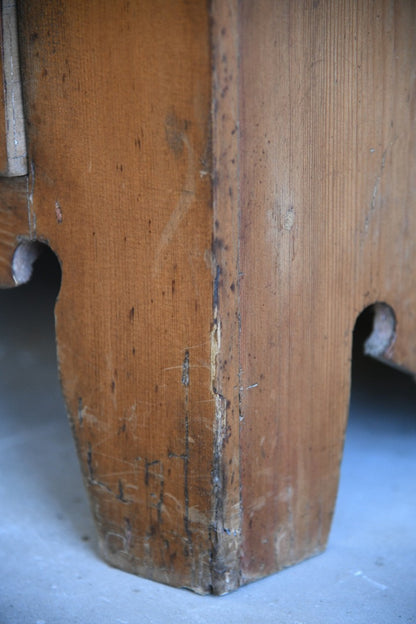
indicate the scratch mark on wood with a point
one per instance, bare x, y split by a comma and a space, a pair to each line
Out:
120, 494
89, 463
31, 214
128, 533
58, 213
177, 140
148, 464
91, 477
158, 476
122, 473
185, 456
185, 370
80, 414
376, 187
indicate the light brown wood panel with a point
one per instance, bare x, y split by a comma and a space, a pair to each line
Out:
328, 172
227, 187
118, 100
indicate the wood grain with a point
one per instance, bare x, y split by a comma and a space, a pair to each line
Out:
328, 175
226, 335
226, 187
118, 112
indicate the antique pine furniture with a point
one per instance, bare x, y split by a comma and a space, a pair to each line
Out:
226, 185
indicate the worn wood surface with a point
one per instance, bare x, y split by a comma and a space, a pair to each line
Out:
118, 99
328, 175
226, 187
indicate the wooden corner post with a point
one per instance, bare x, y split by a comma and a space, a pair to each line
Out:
226, 186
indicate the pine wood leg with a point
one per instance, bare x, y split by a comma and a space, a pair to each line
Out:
226, 188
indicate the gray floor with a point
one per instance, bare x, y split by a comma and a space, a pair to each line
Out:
49, 568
